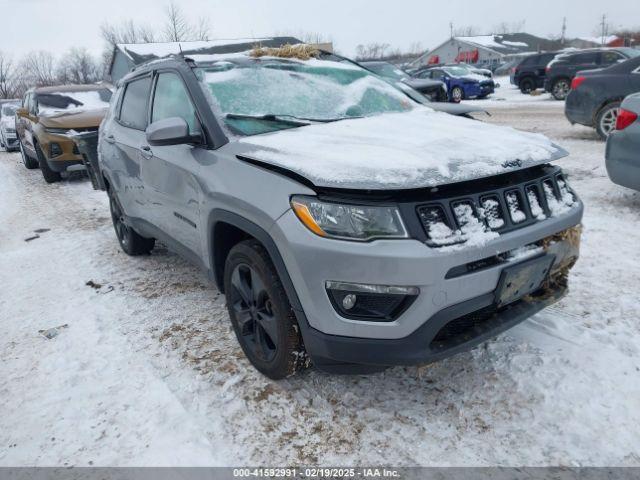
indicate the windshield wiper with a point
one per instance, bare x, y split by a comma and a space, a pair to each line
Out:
269, 117
286, 118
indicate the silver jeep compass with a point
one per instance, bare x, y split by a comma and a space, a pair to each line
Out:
348, 225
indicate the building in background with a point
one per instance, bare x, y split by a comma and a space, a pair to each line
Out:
486, 50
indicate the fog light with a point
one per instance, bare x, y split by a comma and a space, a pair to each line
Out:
349, 301
373, 303
55, 149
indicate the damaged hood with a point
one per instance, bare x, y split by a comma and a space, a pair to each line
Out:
73, 119
417, 149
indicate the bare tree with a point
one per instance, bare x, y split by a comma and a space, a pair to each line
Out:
37, 69
176, 28
78, 66
7, 77
466, 31
509, 27
202, 29
372, 51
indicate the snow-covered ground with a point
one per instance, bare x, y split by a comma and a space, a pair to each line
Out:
146, 370
509, 96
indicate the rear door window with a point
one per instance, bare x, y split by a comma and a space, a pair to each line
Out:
135, 104
171, 99
585, 59
609, 58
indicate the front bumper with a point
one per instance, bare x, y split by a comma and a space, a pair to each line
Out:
60, 151
10, 141
311, 261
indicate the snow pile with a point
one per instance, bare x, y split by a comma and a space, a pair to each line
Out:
534, 204
515, 210
421, 148
491, 212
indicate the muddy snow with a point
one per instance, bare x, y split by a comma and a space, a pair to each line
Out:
140, 365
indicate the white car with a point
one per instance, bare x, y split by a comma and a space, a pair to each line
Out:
8, 138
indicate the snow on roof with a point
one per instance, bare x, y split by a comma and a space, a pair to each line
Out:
515, 44
488, 41
142, 52
162, 49
607, 39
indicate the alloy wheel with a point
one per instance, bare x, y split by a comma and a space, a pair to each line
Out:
561, 89
254, 312
608, 120
456, 93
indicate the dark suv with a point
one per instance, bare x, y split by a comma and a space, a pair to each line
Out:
530, 73
345, 223
564, 67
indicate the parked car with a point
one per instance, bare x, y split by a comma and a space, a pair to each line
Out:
530, 72
595, 96
623, 145
435, 90
47, 116
460, 83
8, 139
564, 66
347, 225
506, 68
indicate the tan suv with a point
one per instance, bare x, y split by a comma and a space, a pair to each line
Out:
49, 115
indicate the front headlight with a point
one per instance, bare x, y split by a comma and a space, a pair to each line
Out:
350, 222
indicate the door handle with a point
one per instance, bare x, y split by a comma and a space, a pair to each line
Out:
145, 151
110, 139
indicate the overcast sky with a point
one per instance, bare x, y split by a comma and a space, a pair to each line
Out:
57, 25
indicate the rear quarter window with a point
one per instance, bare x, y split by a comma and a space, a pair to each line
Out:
135, 104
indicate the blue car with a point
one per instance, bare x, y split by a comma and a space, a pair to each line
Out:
461, 83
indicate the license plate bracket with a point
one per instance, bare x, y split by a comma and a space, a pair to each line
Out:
522, 279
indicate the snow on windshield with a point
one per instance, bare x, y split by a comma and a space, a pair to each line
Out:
316, 89
73, 102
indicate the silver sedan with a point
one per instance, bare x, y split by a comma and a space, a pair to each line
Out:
623, 145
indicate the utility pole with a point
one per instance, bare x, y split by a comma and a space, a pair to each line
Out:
451, 29
564, 31
603, 24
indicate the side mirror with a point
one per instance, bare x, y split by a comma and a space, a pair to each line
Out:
170, 131
22, 112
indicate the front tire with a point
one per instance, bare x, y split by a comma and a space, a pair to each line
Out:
131, 242
457, 94
606, 119
29, 163
260, 312
49, 175
560, 89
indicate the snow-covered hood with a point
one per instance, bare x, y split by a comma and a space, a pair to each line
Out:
76, 118
417, 149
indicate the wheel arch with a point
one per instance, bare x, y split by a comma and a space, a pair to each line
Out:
603, 105
226, 229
